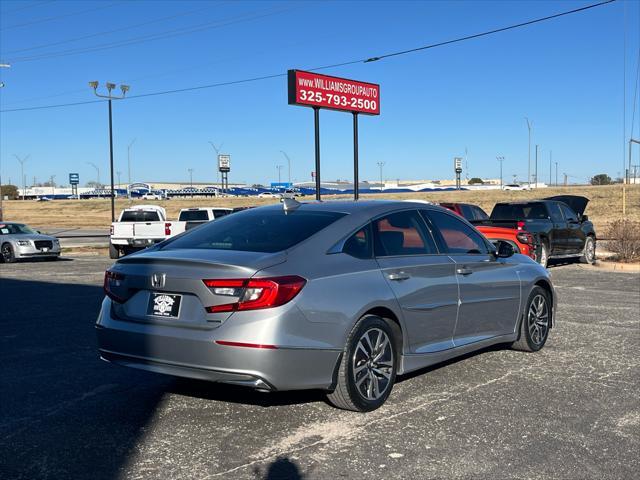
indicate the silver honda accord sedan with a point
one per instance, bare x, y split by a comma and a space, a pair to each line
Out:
339, 296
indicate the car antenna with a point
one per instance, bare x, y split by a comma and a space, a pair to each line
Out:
290, 204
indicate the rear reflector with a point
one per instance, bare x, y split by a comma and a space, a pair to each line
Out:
255, 293
246, 345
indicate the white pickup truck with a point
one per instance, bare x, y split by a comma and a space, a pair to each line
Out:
194, 217
140, 226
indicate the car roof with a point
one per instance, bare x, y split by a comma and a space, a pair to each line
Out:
371, 207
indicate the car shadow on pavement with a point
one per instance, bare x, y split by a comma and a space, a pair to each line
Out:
282, 468
63, 412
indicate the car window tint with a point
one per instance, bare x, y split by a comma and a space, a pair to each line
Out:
193, 216
568, 213
554, 211
360, 244
402, 233
467, 212
479, 214
220, 213
506, 211
457, 236
140, 216
256, 230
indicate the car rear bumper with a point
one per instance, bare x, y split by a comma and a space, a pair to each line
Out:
194, 353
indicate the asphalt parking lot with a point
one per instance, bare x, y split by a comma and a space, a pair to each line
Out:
570, 411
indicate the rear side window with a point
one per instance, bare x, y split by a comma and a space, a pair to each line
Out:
193, 216
569, 214
467, 212
140, 216
530, 211
479, 214
456, 236
220, 213
402, 233
256, 230
554, 211
360, 244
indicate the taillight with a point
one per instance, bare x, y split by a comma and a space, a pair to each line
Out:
525, 237
113, 279
255, 293
167, 229
521, 225
111, 230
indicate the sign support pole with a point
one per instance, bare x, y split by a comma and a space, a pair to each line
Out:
316, 121
113, 193
356, 180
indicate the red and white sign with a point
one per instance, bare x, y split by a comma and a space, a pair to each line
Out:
323, 91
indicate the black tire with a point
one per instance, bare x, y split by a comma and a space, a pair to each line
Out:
528, 341
543, 257
350, 394
7, 254
589, 252
114, 253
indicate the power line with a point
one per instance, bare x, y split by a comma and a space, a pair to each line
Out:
106, 32
154, 36
57, 17
325, 67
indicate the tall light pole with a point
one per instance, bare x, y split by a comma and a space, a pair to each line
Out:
53, 186
129, 161
119, 173
380, 165
279, 168
500, 159
2, 65
24, 182
97, 173
529, 153
536, 169
288, 164
190, 170
110, 87
556, 174
550, 156
217, 150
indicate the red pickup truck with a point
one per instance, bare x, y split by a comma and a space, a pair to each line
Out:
522, 241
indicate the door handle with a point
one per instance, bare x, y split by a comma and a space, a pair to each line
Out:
464, 271
399, 276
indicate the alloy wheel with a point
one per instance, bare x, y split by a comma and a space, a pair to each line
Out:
6, 252
538, 319
373, 364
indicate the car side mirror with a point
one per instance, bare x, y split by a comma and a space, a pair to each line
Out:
505, 249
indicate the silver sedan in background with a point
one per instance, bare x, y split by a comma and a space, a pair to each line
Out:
18, 240
339, 296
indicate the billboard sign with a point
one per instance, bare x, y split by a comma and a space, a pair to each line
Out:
457, 164
224, 163
310, 89
74, 179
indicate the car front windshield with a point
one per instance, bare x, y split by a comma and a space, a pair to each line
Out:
256, 230
16, 229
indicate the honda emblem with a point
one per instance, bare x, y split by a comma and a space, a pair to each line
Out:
158, 280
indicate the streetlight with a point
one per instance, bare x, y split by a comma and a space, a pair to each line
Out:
97, 174
217, 150
24, 182
279, 168
110, 87
500, 159
536, 169
190, 170
3, 65
288, 164
556, 174
380, 165
129, 161
53, 186
550, 157
529, 153
119, 173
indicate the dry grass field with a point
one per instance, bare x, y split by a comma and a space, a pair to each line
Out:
605, 205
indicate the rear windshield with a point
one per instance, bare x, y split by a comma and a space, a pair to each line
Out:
140, 216
533, 211
256, 231
193, 215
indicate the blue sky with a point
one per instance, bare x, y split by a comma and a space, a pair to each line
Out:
566, 75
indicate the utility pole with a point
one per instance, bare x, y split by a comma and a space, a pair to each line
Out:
97, 173
110, 87
129, 162
500, 159
288, 165
24, 182
556, 174
550, 156
53, 186
380, 165
119, 173
190, 170
529, 154
536, 169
